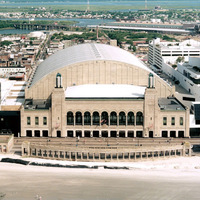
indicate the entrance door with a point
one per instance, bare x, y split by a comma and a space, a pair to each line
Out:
58, 133
150, 134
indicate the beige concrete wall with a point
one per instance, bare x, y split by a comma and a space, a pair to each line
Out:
177, 127
153, 116
32, 114
151, 112
92, 72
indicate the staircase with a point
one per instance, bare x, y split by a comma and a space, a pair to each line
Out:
17, 149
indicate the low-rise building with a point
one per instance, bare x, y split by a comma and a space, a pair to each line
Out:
162, 52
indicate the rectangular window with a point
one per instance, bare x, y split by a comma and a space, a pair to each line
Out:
28, 120
181, 121
36, 120
173, 121
164, 121
44, 120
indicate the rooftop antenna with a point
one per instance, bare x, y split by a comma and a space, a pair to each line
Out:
88, 5
145, 4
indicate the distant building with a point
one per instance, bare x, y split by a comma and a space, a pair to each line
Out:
6, 71
161, 52
12, 95
188, 74
181, 62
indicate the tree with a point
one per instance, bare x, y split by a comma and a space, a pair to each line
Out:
180, 59
5, 43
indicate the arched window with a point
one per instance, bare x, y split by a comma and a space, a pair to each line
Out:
104, 118
70, 118
78, 118
113, 118
95, 118
122, 118
139, 118
87, 118
131, 118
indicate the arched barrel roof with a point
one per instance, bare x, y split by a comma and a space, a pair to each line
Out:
82, 53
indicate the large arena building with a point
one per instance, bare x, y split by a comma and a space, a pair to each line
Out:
97, 90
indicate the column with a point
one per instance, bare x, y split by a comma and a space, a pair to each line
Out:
134, 155
74, 133
108, 133
83, 133
47, 152
99, 133
93, 156
190, 152
168, 134
147, 154
152, 154
175, 153
141, 155
91, 134
176, 134
117, 120
129, 155
134, 133
81, 155
181, 152
126, 133
59, 154
70, 156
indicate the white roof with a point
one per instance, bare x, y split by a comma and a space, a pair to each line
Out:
85, 52
12, 92
105, 91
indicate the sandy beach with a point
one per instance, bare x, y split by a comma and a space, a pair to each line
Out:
175, 178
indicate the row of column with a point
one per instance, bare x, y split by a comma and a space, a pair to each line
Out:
82, 155
104, 133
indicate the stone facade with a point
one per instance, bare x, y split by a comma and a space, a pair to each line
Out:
147, 118
49, 113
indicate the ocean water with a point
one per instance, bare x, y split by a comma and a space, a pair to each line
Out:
150, 3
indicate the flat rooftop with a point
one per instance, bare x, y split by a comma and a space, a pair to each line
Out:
109, 91
170, 104
12, 92
191, 68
